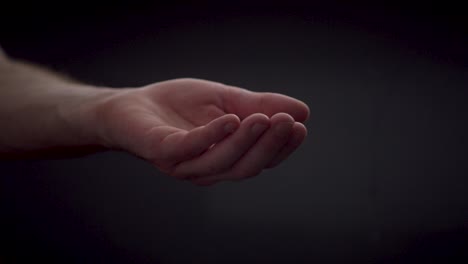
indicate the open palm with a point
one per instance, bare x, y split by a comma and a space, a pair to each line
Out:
204, 131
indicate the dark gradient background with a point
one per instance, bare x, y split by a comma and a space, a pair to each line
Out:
382, 177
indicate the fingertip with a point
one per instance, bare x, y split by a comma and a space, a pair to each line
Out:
298, 135
232, 118
300, 128
282, 117
282, 124
259, 118
302, 113
258, 123
298, 109
231, 123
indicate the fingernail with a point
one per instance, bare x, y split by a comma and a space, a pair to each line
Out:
230, 127
283, 128
258, 128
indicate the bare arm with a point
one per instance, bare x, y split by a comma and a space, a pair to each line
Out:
191, 129
42, 113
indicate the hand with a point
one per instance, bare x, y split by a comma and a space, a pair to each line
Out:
203, 131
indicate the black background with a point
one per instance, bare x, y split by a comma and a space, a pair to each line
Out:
382, 177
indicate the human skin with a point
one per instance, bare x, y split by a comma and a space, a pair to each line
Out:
191, 129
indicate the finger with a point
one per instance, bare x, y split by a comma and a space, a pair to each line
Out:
184, 145
259, 156
243, 103
224, 154
298, 135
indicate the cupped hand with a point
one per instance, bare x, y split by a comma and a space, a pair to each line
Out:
203, 131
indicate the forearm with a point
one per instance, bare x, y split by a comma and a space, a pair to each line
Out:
42, 113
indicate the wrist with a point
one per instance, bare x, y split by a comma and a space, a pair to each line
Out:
79, 112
